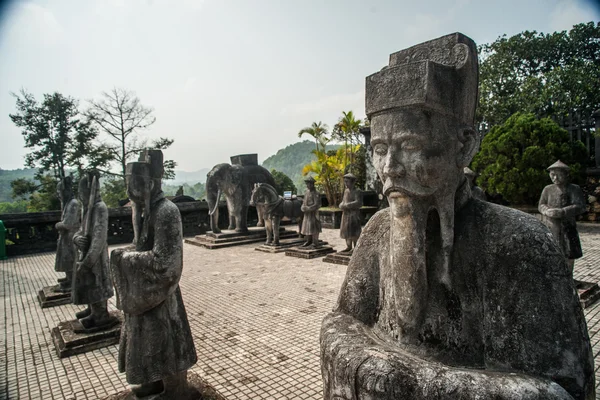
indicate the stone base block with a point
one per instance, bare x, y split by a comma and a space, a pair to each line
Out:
198, 389
303, 252
50, 297
588, 292
68, 343
338, 258
232, 238
283, 245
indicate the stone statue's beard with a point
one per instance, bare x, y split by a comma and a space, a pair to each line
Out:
408, 257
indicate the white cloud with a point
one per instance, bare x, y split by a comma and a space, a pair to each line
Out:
195, 4
325, 105
190, 84
42, 23
568, 13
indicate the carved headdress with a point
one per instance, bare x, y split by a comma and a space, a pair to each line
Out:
150, 164
440, 75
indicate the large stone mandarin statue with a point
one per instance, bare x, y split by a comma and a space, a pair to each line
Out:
311, 226
92, 285
66, 252
351, 203
446, 297
156, 347
559, 204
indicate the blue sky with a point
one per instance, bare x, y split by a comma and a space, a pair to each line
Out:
235, 76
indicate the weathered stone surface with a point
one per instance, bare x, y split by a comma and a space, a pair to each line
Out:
284, 244
447, 296
588, 292
235, 181
156, 346
229, 238
310, 252
51, 296
340, 258
351, 203
69, 342
66, 252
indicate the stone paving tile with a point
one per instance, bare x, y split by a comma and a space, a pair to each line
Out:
255, 318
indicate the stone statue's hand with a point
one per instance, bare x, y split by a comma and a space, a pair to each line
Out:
555, 213
59, 226
303, 208
82, 242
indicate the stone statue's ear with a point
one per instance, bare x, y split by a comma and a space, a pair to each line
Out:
469, 145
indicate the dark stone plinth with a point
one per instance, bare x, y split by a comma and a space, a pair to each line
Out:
68, 343
338, 258
589, 292
282, 246
232, 238
49, 296
304, 252
198, 389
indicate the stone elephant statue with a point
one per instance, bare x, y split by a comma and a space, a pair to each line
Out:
236, 183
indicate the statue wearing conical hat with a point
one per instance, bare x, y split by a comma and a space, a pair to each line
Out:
156, 347
66, 252
311, 225
447, 297
560, 203
351, 203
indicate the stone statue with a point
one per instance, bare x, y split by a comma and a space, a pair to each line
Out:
476, 191
66, 252
273, 207
92, 285
559, 204
351, 203
446, 297
179, 191
311, 226
156, 347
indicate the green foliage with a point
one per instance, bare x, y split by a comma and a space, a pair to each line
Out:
347, 130
41, 194
197, 191
543, 74
7, 176
514, 157
283, 182
113, 190
13, 207
318, 131
291, 159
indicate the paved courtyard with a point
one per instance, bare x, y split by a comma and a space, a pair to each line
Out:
255, 319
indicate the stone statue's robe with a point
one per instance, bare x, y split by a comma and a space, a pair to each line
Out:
310, 222
66, 252
93, 283
511, 307
478, 193
572, 201
351, 204
156, 340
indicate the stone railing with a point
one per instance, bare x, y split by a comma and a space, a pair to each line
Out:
29, 233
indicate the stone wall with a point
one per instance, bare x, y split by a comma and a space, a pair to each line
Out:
29, 233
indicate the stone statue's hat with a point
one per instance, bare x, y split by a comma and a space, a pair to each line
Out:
350, 176
558, 165
309, 179
469, 172
150, 164
439, 75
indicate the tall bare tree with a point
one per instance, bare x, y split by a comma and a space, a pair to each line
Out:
121, 115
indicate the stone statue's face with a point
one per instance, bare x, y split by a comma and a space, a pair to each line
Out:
349, 183
310, 185
137, 188
559, 176
414, 153
59, 191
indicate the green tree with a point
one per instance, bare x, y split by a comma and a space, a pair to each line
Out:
113, 190
347, 130
514, 157
121, 116
283, 182
40, 193
14, 207
543, 74
318, 131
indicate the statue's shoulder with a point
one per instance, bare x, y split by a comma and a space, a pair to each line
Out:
377, 226
515, 238
166, 207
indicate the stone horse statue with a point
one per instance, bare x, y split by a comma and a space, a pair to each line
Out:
265, 198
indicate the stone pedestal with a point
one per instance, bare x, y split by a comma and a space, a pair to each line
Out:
283, 245
588, 292
232, 238
338, 258
198, 389
49, 296
304, 252
67, 342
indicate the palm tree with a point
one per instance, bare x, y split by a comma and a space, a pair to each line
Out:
318, 131
349, 126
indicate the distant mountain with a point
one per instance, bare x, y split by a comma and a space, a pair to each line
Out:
8, 175
192, 178
292, 159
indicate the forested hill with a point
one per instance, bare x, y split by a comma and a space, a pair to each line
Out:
292, 159
6, 176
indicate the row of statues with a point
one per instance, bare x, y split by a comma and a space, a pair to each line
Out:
446, 296
156, 347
